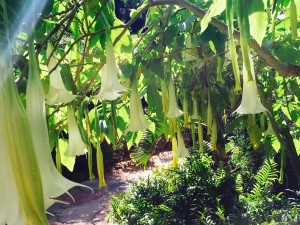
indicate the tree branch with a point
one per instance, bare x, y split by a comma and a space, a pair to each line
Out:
285, 70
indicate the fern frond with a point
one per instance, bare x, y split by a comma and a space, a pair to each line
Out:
265, 177
147, 144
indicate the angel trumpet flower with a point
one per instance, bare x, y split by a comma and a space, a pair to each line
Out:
110, 85
57, 91
181, 151
251, 103
173, 110
76, 145
54, 184
21, 191
137, 118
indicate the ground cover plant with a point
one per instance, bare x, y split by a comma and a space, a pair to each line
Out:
88, 80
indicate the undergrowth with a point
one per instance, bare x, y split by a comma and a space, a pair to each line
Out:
194, 193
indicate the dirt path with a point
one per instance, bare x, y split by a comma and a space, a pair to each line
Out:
92, 208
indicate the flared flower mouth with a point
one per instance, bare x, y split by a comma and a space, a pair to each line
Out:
173, 110
57, 91
181, 151
137, 118
251, 103
76, 145
110, 85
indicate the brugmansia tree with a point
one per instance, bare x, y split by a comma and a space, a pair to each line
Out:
101, 81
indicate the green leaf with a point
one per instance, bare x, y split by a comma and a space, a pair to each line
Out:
258, 20
123, 47
287, 54
154, 100
216, 8
66, 76
68, 162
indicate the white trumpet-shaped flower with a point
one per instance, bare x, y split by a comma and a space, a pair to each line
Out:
21, 191
76, 145
181, 151
57, 92
251, 103
54, 184
173, 110
137, 118
110, 85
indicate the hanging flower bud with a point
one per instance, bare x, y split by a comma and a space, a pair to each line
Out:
209, 116
185, 111
195, 115
250, 101
76, 145
57, 91
173, 111
137, 118
200, 136
214, 134
164, 97
181, 151
110, 85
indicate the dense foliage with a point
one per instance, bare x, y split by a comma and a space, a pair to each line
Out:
195, 194
84, 79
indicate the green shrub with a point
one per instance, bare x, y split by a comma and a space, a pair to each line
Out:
190, 194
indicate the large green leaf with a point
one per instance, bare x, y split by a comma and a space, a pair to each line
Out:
123, 47
258, 20
154, 100
216, 8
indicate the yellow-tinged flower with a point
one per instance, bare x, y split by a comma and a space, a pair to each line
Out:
137, 118
76, 145
195, 115
57, 92
110, 85
251, 103
54, 184
173, 110
181, 151
185, 111
21, 190
164, 97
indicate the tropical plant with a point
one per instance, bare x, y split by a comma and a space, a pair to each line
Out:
182, 67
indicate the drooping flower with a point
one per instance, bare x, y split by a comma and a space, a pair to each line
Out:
190, 54
21, 190
173, 110
54, 184
185, 111
251, 103
76, 145
164, 97
181, 151
137, 118
110, 85
57, 92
